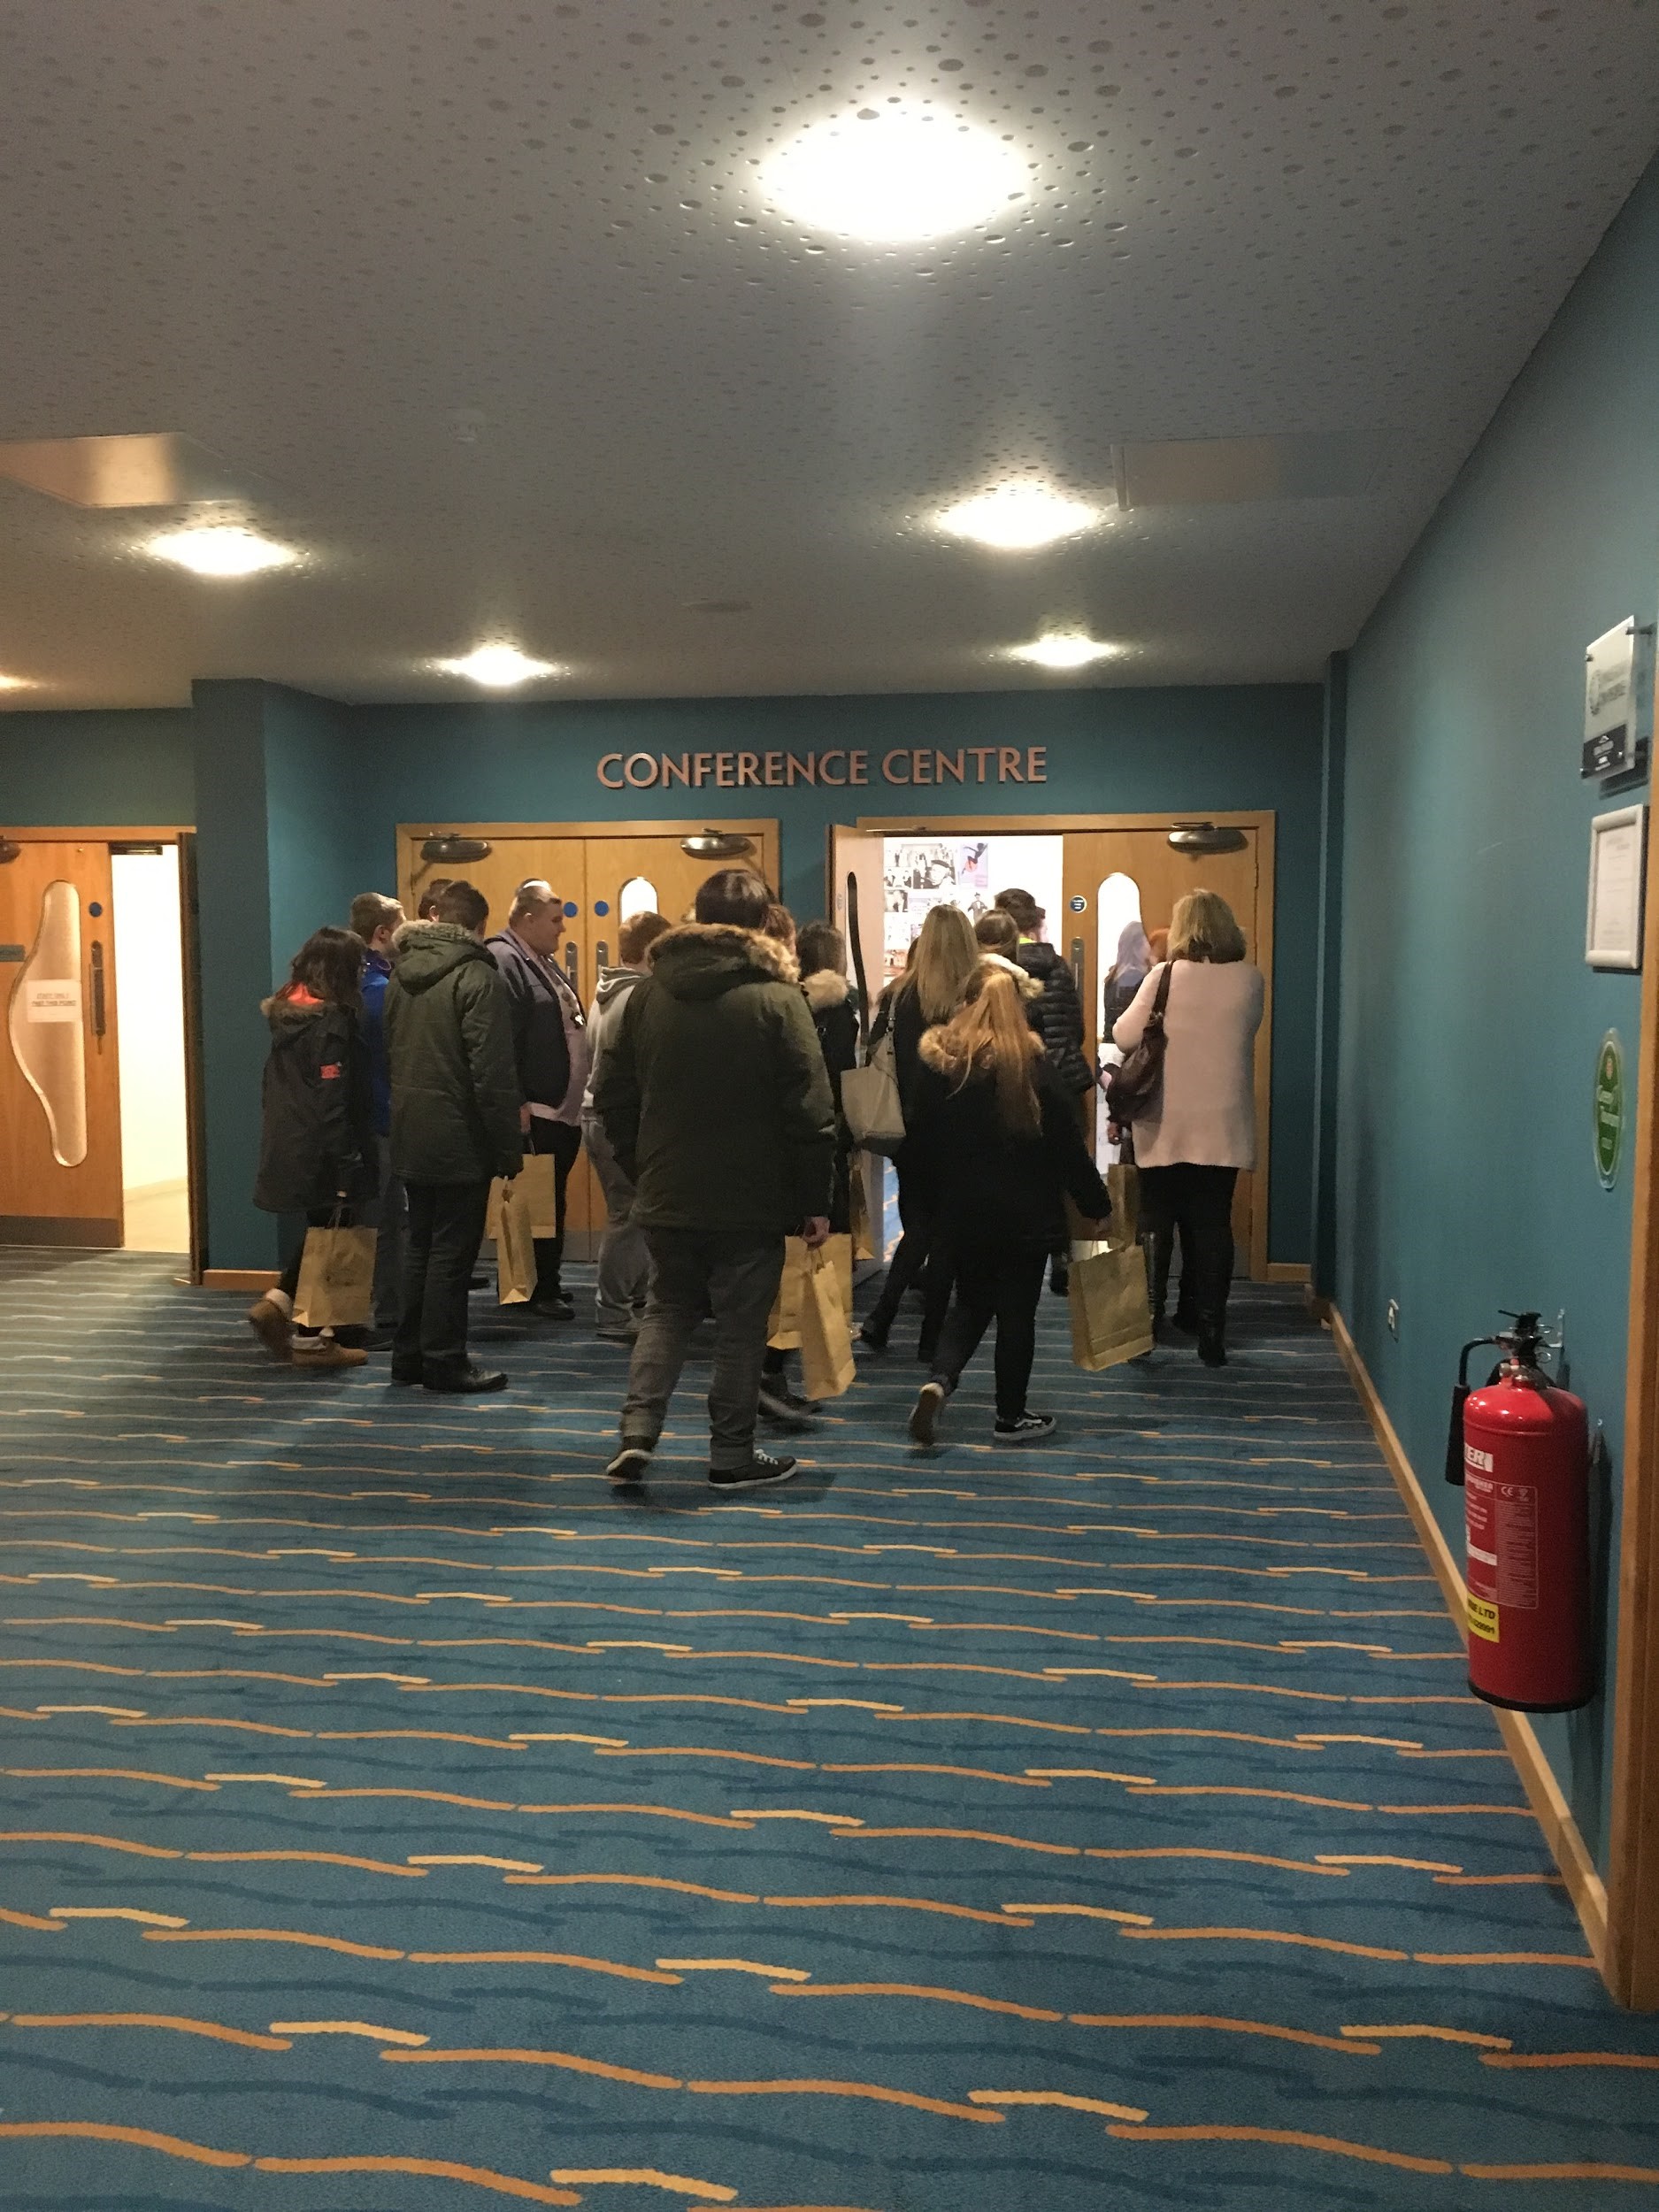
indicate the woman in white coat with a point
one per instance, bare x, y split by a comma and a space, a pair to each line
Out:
1201, 1129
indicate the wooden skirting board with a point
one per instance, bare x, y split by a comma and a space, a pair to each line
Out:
1584, 1885
240, 1278
1289, 1271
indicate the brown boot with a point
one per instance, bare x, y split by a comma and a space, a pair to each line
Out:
272, 1326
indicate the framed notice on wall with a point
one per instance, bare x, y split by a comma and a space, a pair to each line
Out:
1613, 922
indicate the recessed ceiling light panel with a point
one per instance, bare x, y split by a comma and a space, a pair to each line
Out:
1019, 518
894, 174
222, 548
498, 667
1064, 648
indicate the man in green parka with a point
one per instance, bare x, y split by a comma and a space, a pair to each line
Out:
715, 1101
456, 1124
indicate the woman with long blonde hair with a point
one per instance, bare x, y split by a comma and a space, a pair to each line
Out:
1005, 1148
1200, 1130
945, 956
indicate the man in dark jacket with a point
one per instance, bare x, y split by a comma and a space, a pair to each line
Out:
550, 1043
715, 1101
377, 920
455, 1125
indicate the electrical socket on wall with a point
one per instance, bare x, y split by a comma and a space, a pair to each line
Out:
1394, 1319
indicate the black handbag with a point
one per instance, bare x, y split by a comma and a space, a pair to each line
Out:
1134, 1087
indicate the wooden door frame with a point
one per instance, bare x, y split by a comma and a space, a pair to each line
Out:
1632, 1888
1265, 822
195, 1134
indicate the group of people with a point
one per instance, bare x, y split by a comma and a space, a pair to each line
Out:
413, 1064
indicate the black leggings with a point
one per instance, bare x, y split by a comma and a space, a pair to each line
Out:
1004, 1283
920, 1255
1198, 1202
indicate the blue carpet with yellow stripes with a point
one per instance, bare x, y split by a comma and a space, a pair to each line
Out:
393, 1818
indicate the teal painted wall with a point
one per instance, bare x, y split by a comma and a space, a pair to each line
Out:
1123, 751
121, 768
297, 799
1470, 1021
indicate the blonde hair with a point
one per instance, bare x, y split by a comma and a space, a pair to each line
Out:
1203, 927
989, 1035
946, 954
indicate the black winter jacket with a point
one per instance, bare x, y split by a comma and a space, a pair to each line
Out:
1059, 1015
713, 1092
316, 1128
538, 1000
830, 1002
991, 1187
448, 1040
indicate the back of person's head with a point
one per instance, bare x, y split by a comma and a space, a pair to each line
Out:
946, 954
998, 932
372, 910
1203, 927
461, 904
734, 898
1028, 915
638, 934
1133, 947
427, 910
989, 1035
1158, 945
329, 966
820, 945
779, 922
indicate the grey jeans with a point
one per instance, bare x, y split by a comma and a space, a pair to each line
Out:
733, 1275
624, 1265
389, 1217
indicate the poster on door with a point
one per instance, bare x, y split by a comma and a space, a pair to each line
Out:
923, 873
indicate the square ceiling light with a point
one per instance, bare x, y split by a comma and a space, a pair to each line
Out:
161, 468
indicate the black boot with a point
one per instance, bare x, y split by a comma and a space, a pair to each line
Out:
1211, 1348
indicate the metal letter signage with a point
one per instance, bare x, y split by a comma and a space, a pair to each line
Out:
904, 767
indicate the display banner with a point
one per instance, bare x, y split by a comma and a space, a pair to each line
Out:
905, 767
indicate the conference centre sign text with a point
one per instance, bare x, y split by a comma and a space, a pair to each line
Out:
905, 766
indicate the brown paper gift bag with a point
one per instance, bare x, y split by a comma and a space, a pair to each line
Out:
514, 1247
858, 1209
1123, 1186
826, 1340
336, 1284
783, 1330
536, 1180
1111, 1316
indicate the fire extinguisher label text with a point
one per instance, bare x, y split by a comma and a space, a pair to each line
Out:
1502, 1522
1483, 1619
1473, 1458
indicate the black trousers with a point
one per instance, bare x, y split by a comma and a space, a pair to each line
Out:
1002, 1283
921, 1253
1198, 1202
446, 1226
564, 1141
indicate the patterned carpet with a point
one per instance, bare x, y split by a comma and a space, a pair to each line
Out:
394, 1820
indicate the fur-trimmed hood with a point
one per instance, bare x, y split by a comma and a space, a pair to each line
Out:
824, 988
705, 960
422, 953
1027, 985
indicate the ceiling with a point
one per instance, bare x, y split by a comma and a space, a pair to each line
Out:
489, 298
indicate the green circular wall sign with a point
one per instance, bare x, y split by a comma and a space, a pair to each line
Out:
1610, 1108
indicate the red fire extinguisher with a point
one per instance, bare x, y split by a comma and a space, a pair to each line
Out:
1521, 1449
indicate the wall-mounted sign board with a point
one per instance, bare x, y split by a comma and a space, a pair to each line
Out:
1613, 918
1618, 696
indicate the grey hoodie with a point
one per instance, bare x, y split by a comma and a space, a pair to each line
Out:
604, 1018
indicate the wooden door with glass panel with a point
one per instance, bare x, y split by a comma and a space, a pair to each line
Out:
60, 1113
606, 873
1116, 876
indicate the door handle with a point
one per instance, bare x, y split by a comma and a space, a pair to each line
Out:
1077, 964
572, 960
602, 954
100, 1020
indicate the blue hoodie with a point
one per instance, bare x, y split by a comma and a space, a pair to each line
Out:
376, 973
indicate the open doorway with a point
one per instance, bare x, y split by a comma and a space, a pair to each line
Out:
150, 989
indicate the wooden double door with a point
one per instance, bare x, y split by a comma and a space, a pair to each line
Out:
601, 872
1111, 871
